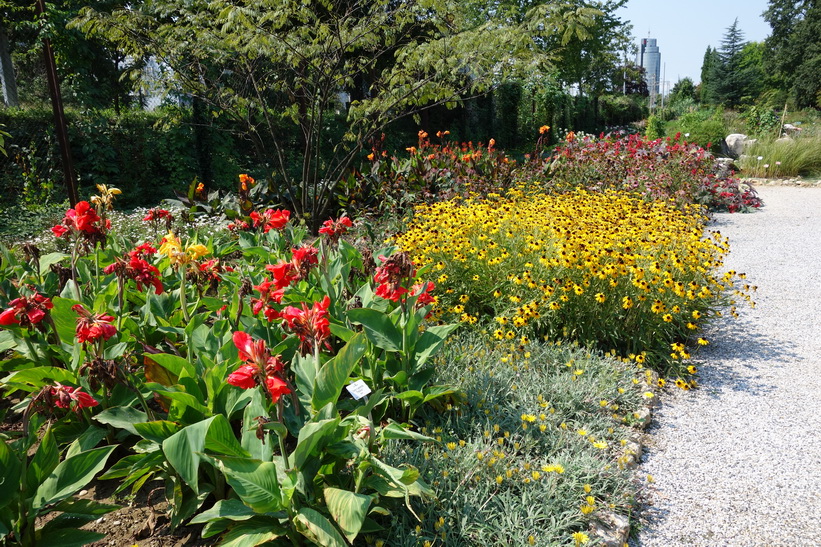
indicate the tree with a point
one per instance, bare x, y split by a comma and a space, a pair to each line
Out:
730, 77
282, 65
733, 79
683, 89
794, 49
707, 87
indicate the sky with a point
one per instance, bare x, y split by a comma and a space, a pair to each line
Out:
684, 29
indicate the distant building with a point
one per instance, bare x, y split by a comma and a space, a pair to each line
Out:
650, 60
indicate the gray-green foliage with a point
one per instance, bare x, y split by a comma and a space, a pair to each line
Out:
280, 64
581, 406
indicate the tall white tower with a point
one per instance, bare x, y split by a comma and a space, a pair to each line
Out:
650, 61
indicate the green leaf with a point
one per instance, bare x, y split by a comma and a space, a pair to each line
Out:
255, 447
65, 319
122, 417
10, 477
334, 374
396, 431
254, 481
71, 475
220, 439
45, 460
341, 332
250, 534
91, 508
318, 529
312, 438
174, 364
183, 449
181, 397
225, 509
157, 431
348, 510
7, 341
431, 341
52, 258
378, 327
67, 537
32, 379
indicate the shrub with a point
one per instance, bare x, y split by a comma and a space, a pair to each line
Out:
655, 128
605, 269
657, 169
706, 128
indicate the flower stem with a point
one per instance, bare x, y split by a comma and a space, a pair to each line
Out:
182, 294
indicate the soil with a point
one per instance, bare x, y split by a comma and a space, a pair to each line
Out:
140, 522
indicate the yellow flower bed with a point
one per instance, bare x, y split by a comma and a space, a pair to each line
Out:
609, 270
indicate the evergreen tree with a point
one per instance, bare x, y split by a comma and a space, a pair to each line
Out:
734, 82
707, 87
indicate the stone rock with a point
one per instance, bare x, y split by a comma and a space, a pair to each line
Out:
643, 417
724, 167
611, 529
733, 145
790, 129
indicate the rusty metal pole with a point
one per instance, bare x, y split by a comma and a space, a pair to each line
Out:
59, 116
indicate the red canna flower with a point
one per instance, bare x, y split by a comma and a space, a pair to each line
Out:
158, 214
83, 219
245, 376
238, 225
275, 219
26, 311
137, 268
304, 257
284, 273
394, 272
259, 366
310, 324
92, 326
422, 292
66, 396
256, 218
277, 387
335, 228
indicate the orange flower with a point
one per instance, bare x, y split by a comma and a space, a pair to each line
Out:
570, 137
370, 156
544, 129
491, 144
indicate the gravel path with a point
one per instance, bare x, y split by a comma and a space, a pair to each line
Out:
738, 461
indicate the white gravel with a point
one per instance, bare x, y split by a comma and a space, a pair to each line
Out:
738, 461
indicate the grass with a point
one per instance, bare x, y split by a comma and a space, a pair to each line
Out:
534, 452
771, 158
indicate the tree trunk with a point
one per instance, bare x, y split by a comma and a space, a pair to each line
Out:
7, 78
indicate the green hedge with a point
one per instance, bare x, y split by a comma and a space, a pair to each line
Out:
145, 154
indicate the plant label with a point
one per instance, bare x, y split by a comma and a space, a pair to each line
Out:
358, 389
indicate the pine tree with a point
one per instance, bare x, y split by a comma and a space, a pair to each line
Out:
734, 82
707, 88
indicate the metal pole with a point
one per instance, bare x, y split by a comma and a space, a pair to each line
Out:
59, 115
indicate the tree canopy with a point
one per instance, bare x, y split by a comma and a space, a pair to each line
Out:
794, 48
275, 64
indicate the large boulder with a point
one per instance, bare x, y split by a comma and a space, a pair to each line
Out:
733, 145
